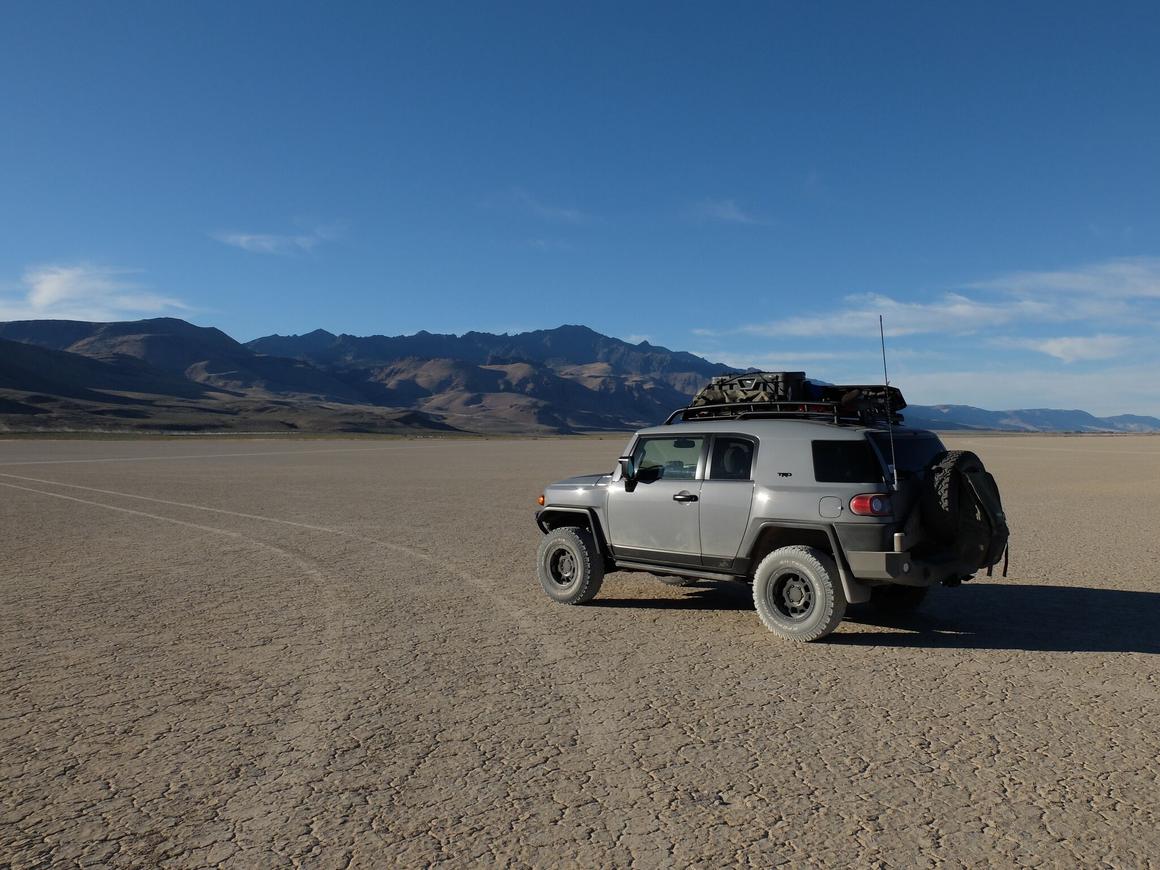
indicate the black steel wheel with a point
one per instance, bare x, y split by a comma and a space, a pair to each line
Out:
792, 595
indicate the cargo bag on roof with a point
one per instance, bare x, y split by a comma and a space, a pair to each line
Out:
858, 397
752, 387
789, 394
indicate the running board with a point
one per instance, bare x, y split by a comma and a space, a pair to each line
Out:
653, 568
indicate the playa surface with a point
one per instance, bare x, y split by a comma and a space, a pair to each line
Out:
330, 653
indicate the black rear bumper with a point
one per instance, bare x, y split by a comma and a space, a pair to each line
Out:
902, 568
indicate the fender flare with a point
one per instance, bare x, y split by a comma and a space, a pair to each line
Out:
591, 522
855, 591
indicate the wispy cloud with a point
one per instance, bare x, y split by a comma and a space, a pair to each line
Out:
951, 313
1124, 278
1110, 390
549, 245
1079, 348
278, 244
1093, 323
724, 211
1119, 294
781, 361
84, 292
521, 201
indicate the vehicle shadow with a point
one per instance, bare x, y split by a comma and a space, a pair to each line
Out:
1018, 616
979, 615
701, 595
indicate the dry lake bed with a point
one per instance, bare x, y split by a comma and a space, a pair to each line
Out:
335, 653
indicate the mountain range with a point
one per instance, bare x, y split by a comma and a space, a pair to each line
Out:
165, 374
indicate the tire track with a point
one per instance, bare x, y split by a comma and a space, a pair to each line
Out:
600, 736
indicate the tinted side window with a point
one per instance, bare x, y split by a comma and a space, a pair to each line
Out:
914, 452
732, 459
667, 458
846, 462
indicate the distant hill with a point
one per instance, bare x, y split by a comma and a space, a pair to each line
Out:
559, 348
167, 374
562, 380
1025, 420
179, 349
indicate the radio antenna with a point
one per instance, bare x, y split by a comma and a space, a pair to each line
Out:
889, 410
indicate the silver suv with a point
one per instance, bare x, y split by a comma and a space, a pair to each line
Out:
811, 511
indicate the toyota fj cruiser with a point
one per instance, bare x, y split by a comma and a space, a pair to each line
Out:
816, 495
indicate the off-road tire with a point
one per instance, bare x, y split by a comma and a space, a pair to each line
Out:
940, 496
676, 580
569, 565
895, 600
790, 572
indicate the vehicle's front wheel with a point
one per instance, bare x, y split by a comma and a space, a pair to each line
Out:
894, 600
569, 565
798, 594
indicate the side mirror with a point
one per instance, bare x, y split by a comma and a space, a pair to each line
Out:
627, 468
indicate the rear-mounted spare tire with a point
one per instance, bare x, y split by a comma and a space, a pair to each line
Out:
940, 496
961, 509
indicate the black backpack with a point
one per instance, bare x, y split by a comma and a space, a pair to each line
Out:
962, 510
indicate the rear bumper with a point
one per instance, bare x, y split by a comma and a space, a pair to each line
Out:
900, 568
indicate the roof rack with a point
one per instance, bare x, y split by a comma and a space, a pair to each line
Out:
829, 411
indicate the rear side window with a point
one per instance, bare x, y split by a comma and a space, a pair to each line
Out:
846, 462
732, 458
913, 452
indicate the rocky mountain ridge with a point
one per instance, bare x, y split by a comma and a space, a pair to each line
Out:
170, 375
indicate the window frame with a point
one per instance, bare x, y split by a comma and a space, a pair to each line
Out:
738, 436
702, 453
873, 452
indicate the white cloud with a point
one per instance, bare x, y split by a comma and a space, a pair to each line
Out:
1104, 315
725, 211
1115, 390
1125, 278
772, 362
952, 313
519, 200
549, 245
273, 243
84, 292
1079, 348
1119, 293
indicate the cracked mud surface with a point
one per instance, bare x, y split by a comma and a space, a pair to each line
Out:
336, 653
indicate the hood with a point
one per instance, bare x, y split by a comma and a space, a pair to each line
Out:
583, 480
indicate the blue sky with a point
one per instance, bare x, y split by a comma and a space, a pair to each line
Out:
754, 182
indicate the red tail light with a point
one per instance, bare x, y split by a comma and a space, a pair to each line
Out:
871, 504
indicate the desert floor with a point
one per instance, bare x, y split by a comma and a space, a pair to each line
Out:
336, 652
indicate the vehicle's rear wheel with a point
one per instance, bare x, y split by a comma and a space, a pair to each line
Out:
569, 565
893, 600
798, 594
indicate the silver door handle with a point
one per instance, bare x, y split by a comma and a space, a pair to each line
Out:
684, 496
